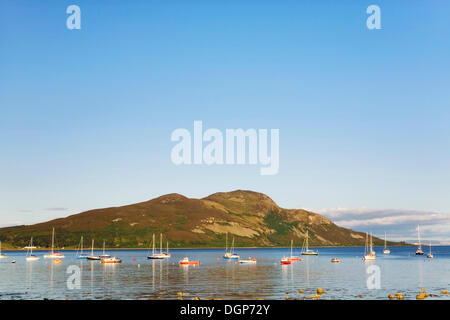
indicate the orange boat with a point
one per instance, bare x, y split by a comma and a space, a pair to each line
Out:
111, 260
57, 261
186, 261
294, 258
285, 261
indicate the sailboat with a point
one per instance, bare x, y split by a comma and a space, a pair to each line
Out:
386, 250
430, 255
104, 255
294, 258
92, 256
230, 254
53, 254
2, 256
161, 254
285, 260
419, 248
305, 249
250, 260
369, 254
30, 255
111, 260
81, 255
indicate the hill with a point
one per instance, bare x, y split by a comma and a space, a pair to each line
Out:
252, 218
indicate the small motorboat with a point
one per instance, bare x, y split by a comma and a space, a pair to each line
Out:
53, 254
386, 250
295, 258
80, 254
369, 254
111, 260
230, 254
285, 261
430, 255
92, 256
249, 261
292, 257
186, 261
32, 258
419, 251
305, 250
104, 255
161, 255
13, 261
57, 261
30, 255
335, 260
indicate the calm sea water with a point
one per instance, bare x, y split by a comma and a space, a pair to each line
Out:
139, 278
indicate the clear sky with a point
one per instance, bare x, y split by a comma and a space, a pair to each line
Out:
87, 115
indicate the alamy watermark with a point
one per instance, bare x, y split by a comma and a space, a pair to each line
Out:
373, 280
74, 279
74, 20
240, 147
374, 20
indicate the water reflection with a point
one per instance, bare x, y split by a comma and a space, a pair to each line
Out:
216, 278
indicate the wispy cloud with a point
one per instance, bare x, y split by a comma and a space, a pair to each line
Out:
397, 223
57, 209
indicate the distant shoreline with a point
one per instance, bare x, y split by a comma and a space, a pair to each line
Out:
206, 248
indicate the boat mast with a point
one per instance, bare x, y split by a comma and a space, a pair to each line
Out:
226, 243
291, 247
153, 248
53, 239
385, 240
160, 243
307, 236
31, 246
81, 245
418, 235
232, 247
103, 247
92, 250
366, 244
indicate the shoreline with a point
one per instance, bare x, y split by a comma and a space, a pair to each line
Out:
203, 248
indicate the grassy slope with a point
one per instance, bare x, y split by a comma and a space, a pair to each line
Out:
252, 218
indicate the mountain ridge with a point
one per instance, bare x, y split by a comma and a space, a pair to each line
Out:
253, 218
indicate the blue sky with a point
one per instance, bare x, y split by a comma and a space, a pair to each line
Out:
86, 115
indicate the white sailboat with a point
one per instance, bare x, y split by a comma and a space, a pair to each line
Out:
30, 255
305, 249
80, 254
386, 250
430, 255
104, 255
161, 254
230, 254
53, 254
292, 257
369, 254
419, 248
92, 256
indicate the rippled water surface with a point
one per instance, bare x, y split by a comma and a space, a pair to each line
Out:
139, 278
